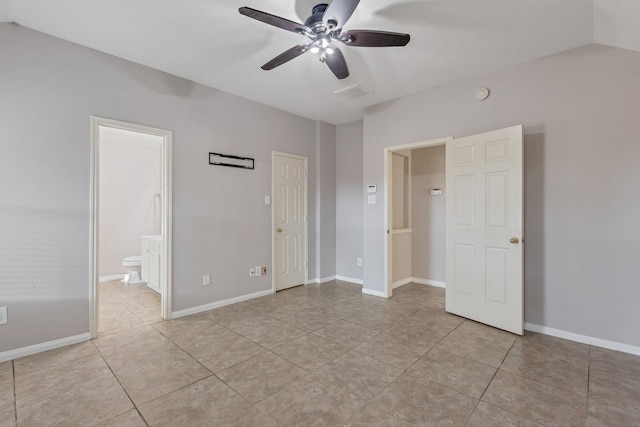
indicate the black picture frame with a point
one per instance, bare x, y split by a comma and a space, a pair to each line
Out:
231, 161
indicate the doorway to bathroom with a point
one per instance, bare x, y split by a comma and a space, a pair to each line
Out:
130, 225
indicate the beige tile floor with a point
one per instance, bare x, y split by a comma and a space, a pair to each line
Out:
316, 355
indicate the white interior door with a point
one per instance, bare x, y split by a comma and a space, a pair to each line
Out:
290, 220
484, 251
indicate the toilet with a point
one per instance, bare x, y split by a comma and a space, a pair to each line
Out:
133, 265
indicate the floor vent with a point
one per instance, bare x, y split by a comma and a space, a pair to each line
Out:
352, 92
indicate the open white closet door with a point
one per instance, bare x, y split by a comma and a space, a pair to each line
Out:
484, 244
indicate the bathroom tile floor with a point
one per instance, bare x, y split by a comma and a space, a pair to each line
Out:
316, 355
126, 306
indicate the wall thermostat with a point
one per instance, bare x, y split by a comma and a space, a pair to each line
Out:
482, 94
436, 192
372, 188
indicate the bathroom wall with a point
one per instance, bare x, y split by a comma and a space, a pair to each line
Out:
579, 109
221, 226
130, 177
428, 213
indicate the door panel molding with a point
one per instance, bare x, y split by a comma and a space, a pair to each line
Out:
489, 288
289, 251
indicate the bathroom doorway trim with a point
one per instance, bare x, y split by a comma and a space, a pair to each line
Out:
166, 226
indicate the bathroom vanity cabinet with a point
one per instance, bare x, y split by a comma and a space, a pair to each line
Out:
151, 261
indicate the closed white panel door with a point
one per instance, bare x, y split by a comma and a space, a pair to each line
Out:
290, 260
484, 177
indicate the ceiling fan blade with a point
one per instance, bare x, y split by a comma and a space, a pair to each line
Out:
338, 13
286, 56
274, 20
337, 64
368, 38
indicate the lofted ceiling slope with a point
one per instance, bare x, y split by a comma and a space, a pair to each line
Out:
209, 42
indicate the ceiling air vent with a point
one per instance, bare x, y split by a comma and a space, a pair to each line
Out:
352, 92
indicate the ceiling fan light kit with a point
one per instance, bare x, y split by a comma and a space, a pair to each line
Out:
324, 27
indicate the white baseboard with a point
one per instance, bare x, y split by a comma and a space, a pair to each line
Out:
45, 346
598, 342
436, 283
401, 282
419, 281
373, 293
322, 280
350, 280
201, 308
111, 278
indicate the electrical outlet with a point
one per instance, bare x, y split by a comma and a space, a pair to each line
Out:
252, 272
206, 280
3, 315
264, 271
359, 262
257, 270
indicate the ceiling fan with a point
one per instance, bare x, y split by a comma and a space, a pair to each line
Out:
323, 27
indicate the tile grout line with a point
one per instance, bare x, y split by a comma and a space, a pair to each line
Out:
529, 379
406, 370
118, 380
15, 396
588, 385
135, 406
478, 400
489, 383
270, 350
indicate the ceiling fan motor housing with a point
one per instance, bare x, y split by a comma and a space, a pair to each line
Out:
315, 20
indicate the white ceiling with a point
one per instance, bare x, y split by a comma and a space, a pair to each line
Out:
209, 42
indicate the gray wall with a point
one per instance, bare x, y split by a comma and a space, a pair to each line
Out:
428, 213
326, 200
221, 225
580, 110
349, 199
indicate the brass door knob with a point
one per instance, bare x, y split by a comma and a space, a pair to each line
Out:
514, 240
279, 230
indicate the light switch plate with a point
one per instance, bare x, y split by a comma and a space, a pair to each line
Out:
371, 200
3, 315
